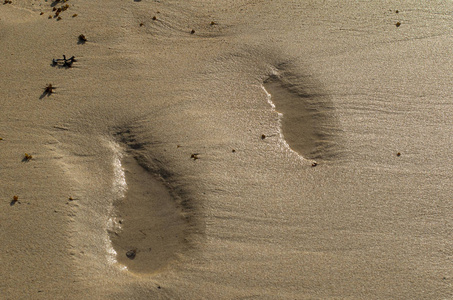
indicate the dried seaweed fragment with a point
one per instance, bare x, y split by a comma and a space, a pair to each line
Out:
48, 89
27, 157
82, 38
14, 200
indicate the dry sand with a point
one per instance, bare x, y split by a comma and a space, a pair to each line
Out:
188, 141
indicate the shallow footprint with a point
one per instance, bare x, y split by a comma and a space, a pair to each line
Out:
308, 122
150, 228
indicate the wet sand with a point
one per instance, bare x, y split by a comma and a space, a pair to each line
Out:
161, 139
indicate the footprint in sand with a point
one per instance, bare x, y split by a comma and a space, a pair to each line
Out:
307, 116
150, 228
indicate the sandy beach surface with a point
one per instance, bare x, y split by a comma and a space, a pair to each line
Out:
242, 149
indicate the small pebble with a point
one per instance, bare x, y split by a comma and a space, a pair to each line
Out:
82, 38
131, 254
192, 32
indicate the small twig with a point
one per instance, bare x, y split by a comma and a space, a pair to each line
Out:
65, 62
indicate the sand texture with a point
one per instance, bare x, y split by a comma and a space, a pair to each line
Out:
226, 149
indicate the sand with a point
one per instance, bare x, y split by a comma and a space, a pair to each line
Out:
226, 150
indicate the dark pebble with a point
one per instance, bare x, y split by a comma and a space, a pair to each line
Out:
131, 254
